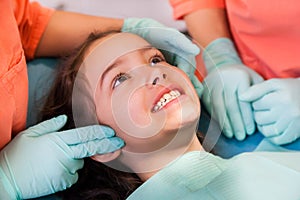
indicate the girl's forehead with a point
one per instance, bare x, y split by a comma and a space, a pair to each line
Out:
115, 45
105, 52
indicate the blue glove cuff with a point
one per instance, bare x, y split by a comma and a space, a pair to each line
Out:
6, 189
129, 23
135, 24
220, 52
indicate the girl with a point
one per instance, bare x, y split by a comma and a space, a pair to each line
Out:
119, 80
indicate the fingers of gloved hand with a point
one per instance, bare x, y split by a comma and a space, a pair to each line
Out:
135, 25
182, 43
176, 41
213, 101
103, 146
264, 117
225, 125
257, 91
197, 84
187, 64
220, 114
268, 130
247, 116
246, 108
234, 116
277, 128
85, 134
157, 33
266, 102
290, 134
183, 59
90, 140
48, 126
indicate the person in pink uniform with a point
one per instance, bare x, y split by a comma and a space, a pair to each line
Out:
252, 63
42, 160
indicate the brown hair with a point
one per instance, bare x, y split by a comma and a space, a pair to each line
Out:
96, 180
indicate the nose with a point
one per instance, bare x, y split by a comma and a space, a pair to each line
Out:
154, 75
158, 78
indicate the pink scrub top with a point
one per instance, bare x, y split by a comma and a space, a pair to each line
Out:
23, 24
266, 33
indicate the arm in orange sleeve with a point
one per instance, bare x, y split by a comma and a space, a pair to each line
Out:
205, 19
206, 25
32, 20
67, 30
50, 33
184, 7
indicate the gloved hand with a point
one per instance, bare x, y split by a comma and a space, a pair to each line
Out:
40, 161
177, 48
276, 104
227, 78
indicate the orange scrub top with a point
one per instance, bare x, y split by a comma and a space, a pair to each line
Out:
23, 24
266, 33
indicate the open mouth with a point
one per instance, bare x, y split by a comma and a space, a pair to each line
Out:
165, 99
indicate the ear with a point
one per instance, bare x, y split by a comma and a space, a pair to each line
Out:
106, 157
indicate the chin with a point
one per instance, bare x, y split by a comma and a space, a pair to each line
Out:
183, 118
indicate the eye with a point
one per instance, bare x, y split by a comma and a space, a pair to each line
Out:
156, 59
120, 78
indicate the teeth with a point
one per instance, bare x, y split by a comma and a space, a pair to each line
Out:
166, 99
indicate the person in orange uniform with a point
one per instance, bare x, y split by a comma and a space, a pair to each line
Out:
41, 160
252, 62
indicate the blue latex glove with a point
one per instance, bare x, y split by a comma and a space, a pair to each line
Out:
177, 48
41, 161
227, 78
276, 104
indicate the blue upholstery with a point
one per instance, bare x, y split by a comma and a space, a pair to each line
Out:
40, 75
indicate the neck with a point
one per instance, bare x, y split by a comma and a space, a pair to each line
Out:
146, 165
194, 146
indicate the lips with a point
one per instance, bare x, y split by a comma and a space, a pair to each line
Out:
165, 96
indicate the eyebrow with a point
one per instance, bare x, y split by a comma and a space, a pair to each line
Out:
116, 64
108, 69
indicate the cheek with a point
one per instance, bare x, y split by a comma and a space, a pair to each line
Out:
131, 113
104, 113
138, 110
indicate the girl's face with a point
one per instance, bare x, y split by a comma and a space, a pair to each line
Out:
142, 97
